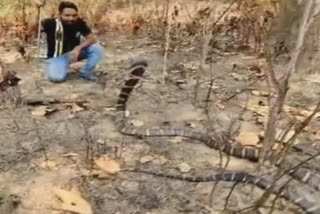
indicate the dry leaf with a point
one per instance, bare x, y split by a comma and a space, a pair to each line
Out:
10, 57
258, 107
260, 93
248, 138
136, 123
307, 113
276, 146
184, 167
177, 139
42, 111
73, 202
220, 106
76, 108
108, 164
48, 165
101, 142
73, 107
314, 136
192, 125
75, 190
162, 160
146, 159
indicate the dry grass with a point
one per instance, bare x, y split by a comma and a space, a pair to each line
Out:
19, 17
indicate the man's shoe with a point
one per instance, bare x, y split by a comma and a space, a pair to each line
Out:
91, 77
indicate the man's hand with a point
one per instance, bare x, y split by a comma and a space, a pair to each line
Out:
74, 54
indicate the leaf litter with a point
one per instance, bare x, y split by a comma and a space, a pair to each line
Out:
108, 165
72, 201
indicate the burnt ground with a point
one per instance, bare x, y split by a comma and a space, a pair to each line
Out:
70, 137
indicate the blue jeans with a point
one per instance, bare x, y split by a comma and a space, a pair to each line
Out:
57, 67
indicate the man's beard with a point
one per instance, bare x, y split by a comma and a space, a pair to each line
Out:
69, 23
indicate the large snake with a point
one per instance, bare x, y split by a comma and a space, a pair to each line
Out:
287, 191
218, 142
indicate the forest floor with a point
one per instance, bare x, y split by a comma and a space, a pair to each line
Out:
56, 148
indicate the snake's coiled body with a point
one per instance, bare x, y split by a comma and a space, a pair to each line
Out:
216, 142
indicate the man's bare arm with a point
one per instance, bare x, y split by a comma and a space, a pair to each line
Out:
90, 39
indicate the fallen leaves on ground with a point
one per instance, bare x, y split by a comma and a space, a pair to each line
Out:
10, 57
313, 133
220, 106
108, 165
260, 93
42, 111
258, 106
72, 201
300, 113
75, 190
48, 165
261, 109
73, 107
279, 135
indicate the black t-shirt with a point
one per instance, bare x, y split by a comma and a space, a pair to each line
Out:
71, 33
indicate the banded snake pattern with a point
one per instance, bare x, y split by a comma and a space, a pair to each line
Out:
217, 142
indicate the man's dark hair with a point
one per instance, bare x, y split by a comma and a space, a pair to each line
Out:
67, 4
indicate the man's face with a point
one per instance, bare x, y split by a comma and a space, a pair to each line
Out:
68, 16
